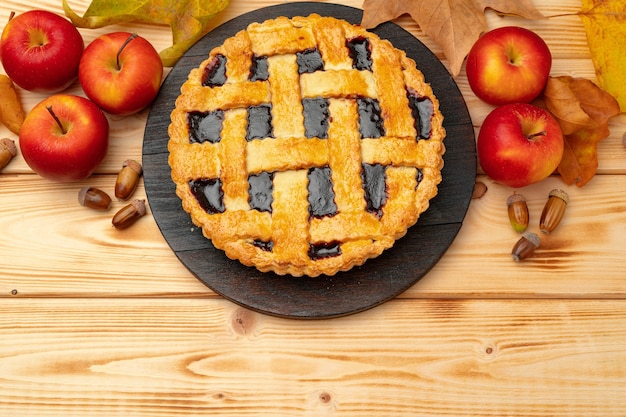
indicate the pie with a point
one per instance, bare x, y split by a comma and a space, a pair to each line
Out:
305, 145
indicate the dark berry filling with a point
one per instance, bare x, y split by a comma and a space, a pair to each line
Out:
422, 109
215, 72
309, 60
370, 120
259, 122
259, 70
375, 185
263, 245
315, 117
324, 250
260, 191
205, 126
321, 194
209, 194
359, 50
419, 177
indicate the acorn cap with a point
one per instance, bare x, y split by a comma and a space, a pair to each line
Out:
134, 165
532, 238
557, 192
514, 198
140, 206
9, 145
82, 194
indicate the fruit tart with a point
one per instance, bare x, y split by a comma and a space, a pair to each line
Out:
305, 145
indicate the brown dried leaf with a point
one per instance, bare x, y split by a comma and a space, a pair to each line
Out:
11, 110
480, 188
583, 111
453, 24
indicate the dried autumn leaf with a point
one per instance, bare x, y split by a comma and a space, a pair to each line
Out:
454, 25
583, 111
188, 19
11, 110
605, 26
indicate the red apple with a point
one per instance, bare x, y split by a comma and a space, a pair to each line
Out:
519, 144
508, 65
64, 137
121, 72
40, 51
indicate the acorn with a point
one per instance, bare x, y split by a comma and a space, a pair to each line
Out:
128, 179
129, 214
553, 210
8, 150
94, 198
518, 212
525, 246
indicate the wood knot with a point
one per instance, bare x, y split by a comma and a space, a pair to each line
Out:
243, 321
324, 400
489, 351
325, 397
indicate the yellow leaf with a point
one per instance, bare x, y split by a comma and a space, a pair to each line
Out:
11, 111
605, 25
453, 24
188, 19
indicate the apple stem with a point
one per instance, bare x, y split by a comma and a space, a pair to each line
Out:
12, 15
534, 135
56, 119
126, 42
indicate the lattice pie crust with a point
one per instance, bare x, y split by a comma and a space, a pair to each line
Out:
305, 146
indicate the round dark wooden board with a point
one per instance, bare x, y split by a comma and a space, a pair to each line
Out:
361, 288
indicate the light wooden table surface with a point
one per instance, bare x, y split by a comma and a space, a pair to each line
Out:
102, 323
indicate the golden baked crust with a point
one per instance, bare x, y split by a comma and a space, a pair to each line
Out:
299, 232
